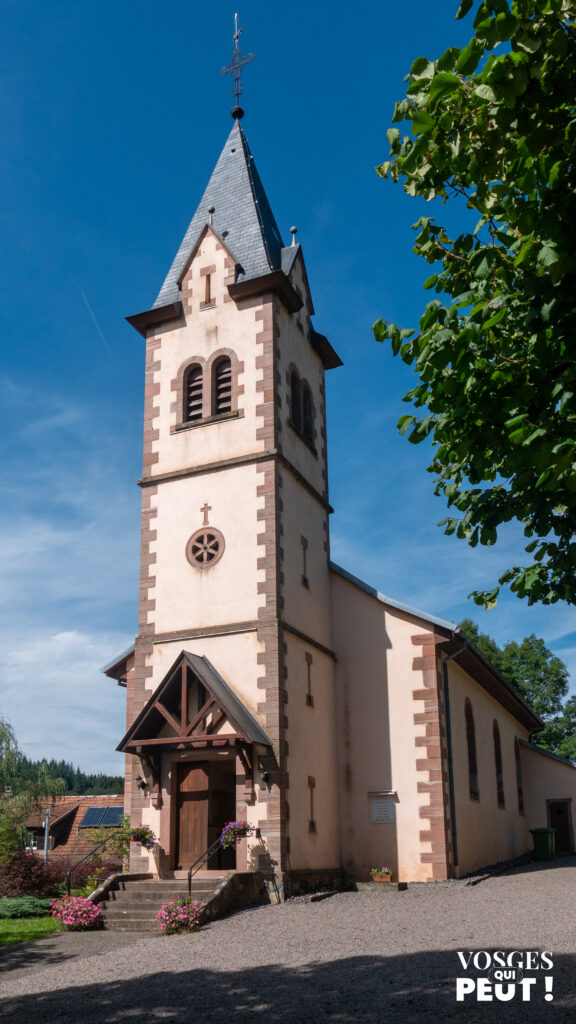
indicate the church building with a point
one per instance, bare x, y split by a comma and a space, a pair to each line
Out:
267, 683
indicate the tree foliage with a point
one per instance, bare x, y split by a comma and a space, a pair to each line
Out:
541, 678
497, 134
75, 781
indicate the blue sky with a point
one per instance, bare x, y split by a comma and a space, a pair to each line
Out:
113, 117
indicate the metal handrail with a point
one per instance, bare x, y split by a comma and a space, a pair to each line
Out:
200, 861
88, 856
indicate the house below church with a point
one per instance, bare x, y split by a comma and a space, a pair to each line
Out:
70, 824
266, 683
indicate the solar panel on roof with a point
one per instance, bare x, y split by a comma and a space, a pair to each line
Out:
112, 816
93, 817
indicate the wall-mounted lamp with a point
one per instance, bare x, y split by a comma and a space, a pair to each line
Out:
140, 782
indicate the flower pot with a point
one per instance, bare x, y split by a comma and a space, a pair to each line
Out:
382, 878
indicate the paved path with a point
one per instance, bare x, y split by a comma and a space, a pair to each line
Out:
357, 957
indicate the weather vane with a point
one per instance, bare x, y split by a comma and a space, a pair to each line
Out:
235, 68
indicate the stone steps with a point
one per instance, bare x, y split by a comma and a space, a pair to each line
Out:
134, 905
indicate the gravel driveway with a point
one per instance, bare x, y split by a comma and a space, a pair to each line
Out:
352, 958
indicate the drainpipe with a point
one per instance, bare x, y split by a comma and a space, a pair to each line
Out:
449, 746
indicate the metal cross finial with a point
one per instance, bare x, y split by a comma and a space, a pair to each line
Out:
235, 68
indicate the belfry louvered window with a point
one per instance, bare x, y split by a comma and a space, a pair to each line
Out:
193, 395
223, 386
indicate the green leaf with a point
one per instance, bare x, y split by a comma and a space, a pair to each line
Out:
548, 255
443, 85
405, 423
447, 61
545, 476
463, 9
528, 42
451, 525
485, 93
488, 536
422, 123
555, 173
419, 66
469, 57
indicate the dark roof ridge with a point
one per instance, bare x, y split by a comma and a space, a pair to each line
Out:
255, 181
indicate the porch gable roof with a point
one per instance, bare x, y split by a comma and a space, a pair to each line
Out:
144, 730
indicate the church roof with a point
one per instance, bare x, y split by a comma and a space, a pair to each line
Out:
464, 652
242, 218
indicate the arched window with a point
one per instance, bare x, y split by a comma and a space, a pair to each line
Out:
519, 783
498, 764
193, 394
222, 390
472, 762
307, 415
296, 402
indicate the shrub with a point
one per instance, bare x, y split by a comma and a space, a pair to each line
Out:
23, 906
25, 874
76, 912
91, 869
179, 915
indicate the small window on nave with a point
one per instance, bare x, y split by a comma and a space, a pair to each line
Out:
473, 787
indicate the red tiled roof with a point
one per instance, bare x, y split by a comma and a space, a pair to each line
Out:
67, 812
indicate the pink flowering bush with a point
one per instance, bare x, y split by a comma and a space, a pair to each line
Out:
179, 915
76, 912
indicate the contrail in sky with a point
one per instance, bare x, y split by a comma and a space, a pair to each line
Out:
97, 326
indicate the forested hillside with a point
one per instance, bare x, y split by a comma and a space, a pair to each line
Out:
75, 781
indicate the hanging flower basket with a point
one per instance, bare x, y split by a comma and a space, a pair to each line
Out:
143, 835
234, 831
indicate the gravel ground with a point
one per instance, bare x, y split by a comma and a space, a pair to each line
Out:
366, 956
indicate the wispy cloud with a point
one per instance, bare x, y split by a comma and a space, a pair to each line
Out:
68, 578
57, 699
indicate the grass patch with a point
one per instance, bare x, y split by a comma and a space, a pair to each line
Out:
24, 929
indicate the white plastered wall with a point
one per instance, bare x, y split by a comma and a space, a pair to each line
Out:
376, 732
312, 740
187, 596
486, 833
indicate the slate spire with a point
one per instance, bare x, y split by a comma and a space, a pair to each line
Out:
241, 217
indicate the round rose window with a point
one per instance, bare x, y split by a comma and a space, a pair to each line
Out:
205, 547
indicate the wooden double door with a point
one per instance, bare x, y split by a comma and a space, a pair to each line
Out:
205, 802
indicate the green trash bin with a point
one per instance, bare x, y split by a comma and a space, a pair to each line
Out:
544, 843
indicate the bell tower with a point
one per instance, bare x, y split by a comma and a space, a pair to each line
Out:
235, 540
